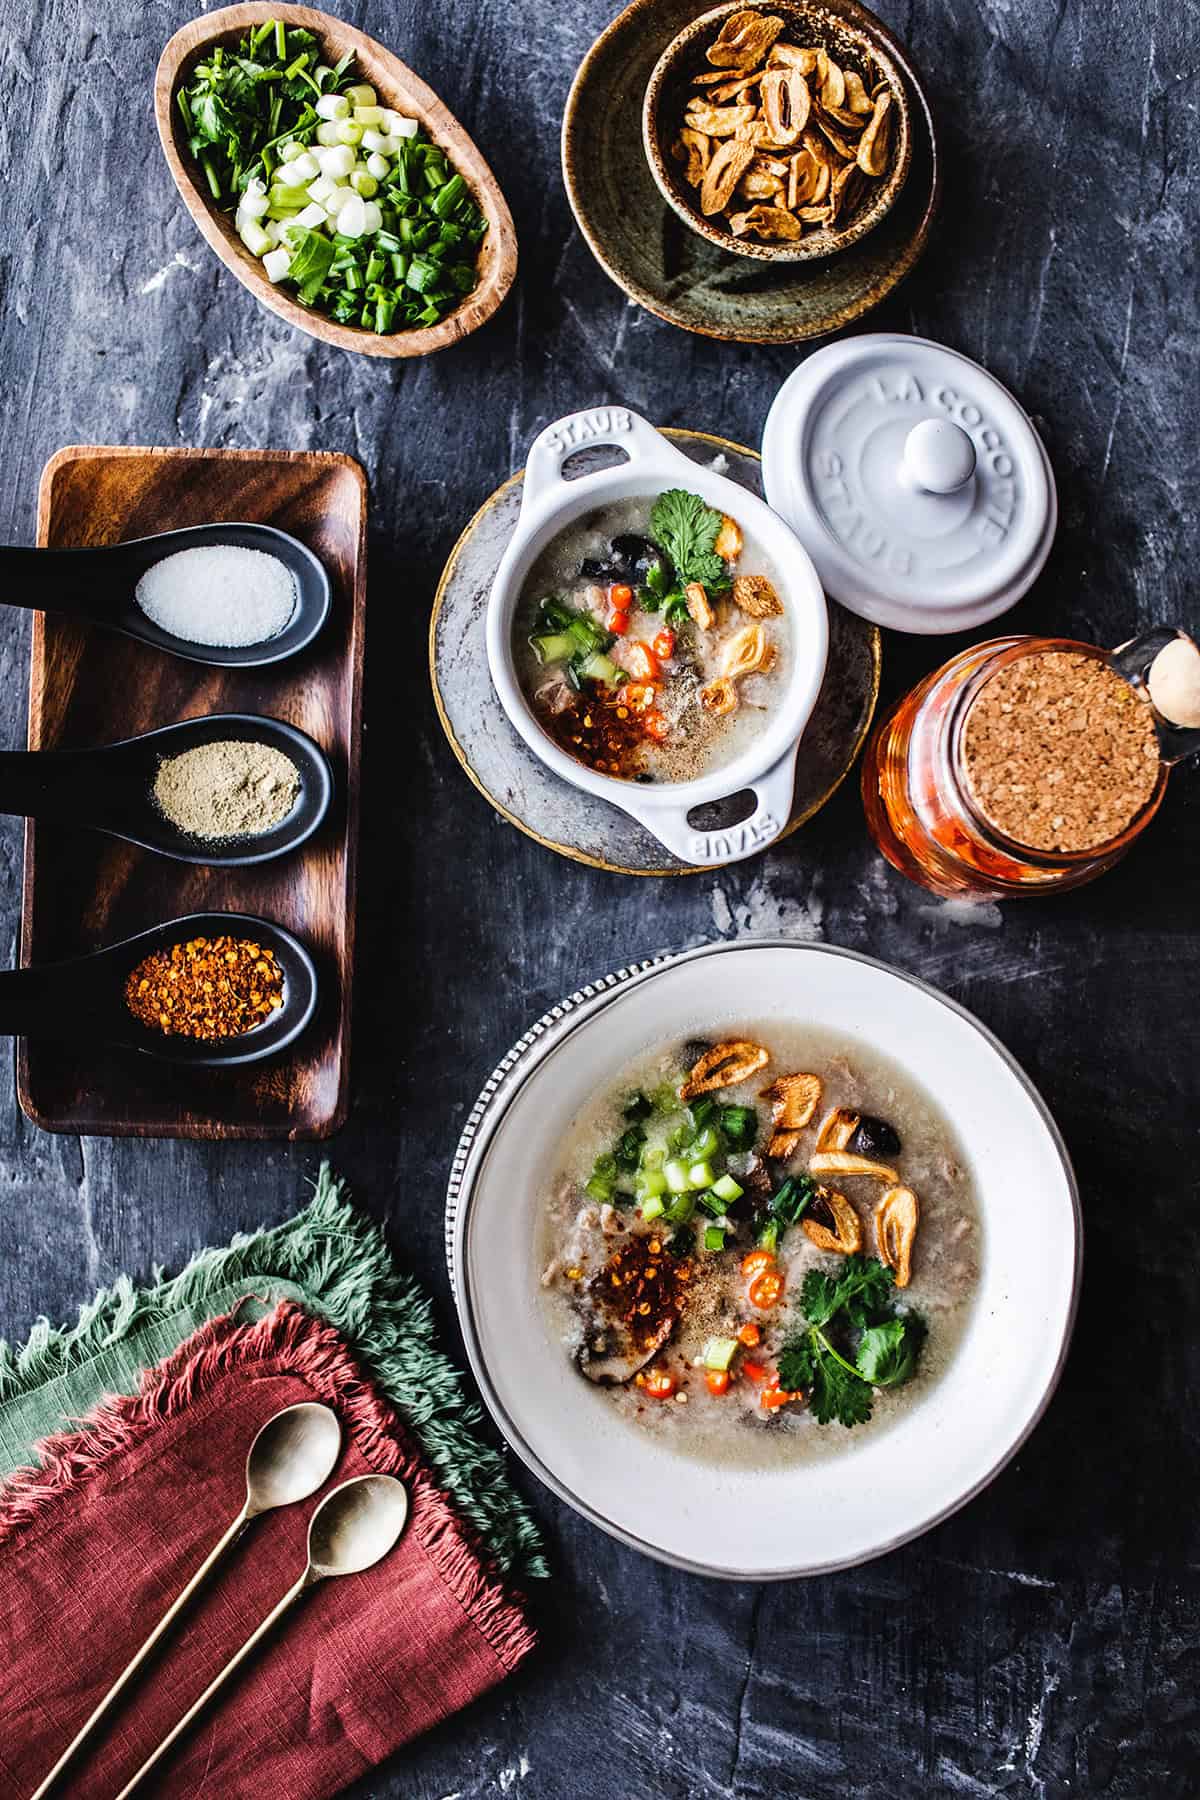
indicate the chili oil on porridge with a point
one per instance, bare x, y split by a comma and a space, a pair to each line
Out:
651, 641
757, 1246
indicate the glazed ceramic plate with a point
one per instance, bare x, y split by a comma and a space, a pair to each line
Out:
819, 1514
649, 252
584, 826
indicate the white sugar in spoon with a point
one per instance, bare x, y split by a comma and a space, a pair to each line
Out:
352, 1528
291, 1457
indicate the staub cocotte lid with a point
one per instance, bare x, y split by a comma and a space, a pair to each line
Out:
913, 479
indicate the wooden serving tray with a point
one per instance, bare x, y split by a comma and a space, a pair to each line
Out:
87, 686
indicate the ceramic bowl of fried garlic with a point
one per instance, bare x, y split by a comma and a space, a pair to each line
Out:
778, 131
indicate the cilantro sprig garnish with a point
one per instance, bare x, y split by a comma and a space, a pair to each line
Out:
687, 530
853, 1341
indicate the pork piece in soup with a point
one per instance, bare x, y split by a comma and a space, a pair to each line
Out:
759, 1241
651, 640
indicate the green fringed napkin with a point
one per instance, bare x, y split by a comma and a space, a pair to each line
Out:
332, 1262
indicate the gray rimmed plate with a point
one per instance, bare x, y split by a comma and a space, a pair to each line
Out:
940, 1451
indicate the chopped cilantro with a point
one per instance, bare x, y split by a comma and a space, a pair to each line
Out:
855, 1298
687, 530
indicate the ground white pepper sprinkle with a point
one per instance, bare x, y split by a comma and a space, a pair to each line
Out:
1060, 753
228, 789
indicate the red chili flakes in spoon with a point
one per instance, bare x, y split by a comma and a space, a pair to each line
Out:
206, 988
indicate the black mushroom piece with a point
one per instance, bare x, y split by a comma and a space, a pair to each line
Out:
874, 1137
610, 1358
630, 560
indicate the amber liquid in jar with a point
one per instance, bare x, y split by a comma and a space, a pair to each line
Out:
948, 789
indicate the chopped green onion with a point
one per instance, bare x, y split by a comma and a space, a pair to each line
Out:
705, 1145
251, 111
714, 1237
602, 1182
555, 647
738, 1126
719, 1352
676, 1173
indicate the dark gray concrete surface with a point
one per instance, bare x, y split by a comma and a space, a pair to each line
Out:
1043, 1643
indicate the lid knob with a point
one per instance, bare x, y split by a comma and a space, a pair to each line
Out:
938, 456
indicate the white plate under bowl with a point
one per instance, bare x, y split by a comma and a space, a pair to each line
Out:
874, 1494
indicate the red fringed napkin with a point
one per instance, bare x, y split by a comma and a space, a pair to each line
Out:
96, 1543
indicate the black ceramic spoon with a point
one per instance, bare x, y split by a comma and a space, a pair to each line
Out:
98, 583
110, 789
84, 999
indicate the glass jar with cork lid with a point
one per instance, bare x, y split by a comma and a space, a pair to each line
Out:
1026, 765
923, 493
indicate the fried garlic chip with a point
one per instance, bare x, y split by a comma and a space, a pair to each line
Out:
698, 608
718, 121
724, 1066
786, 103
729, 539
694, 148
842, 190
744, 40
719, 697
724, 171
896, 1220
803, 175
794, 1099
795, 56
755, 595
774, 222
875, 142
845, 149
844, 1234
748, 652
833, 85
740, 89
857, 98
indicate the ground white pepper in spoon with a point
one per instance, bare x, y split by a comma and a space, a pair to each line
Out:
228, 789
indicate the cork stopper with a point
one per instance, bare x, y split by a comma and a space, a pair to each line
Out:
1059, 753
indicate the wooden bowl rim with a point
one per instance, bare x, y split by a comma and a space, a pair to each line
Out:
820, 244
412, 95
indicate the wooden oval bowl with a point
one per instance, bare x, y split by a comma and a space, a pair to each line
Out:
400, 89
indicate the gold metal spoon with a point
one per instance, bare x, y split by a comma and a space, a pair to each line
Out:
353, 1527
291, 1457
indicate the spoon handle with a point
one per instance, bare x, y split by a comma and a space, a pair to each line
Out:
218, 1682
65, 581
131, 1668
56, 999
45, 784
